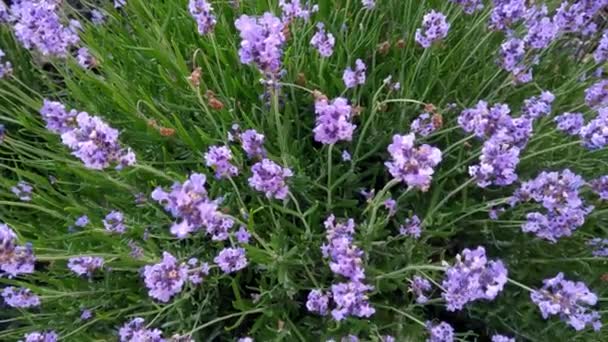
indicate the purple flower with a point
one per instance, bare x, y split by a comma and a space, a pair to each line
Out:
253, 144
82, 221
506, 13
97, 17
497, 164
600, 187
136, 251
577, 16
391, 205
6, 68
38, 25
512, 55
595, 133
120, 3
570, 123
317, 302
601, 52
57, 119
135, 330
270, 178
346, 156
599, 246
46, 336
411, 227
368, 4
538, 106
218, 158
165, 279
351, 300
420, 287
570, 300
501, 338
242, 235
14, 259
262, 41
114, 222
387, 338
245, 339
20, 297
434, 28
473, 277
355, 77
410, 164
441, 332
231, 260
202, 12
323, 41
85, 265
484, 121
292, 9
596, 95
86, 314
333, 121
85, 59
541, 32
198, 271
469, 6
423, 125
23, 190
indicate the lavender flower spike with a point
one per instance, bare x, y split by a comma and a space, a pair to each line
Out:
165, 279
270, 178
355, 77
434, 28
323, 41
202, 12
410, 164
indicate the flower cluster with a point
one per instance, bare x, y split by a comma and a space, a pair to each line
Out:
333, 121
442, 332
601, 52
38, 25
97, 17
410, 164
323, 41
434, 28
595, 133
6, 68
506, 13
46, 336
345, 259
600, 187
473, 277
558, 193
420, 286
424, 124
502, 338
354, 77
270, 178
368, 4
89, 137
538, 106
253, 144
190, 205
262, 40
114, 222
292, 9
20, 297
469, 6
569, 300
23, 190
135, 330
231, 260
512, 59
577, 16
14, 259
541, 29
484, 121
85, 59
599, 246
497, 164
570, 123
85, 265
411, 227
218, 158
165, 279
596, 96
202, 12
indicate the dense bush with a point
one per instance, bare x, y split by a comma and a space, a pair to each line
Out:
373, 170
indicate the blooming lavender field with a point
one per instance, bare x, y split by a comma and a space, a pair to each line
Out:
345, 170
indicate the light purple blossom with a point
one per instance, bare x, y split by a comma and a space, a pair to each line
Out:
506, 13
595, 133
469, 6
85, 265
356, 76
541, 32
512, 59
368, 4
219, 158
114, 222
323, 41
351, 300
538, 106
344, 257
410, 164
423, 125
434, 28
577, 16
231, 260
97, 17
599, 247
292, 9
317, 302
472, 277
390, 205
600, 187
601, 52
202, 12
346, 156
568, 299
262, 42
20, 297
135, 330
6, 68
412, 227
270, 178
333, 121
46, 336
242, 235
198, 271
120, 3
497, 164
253, 144
442, 332
570, 123
58, 119
82, 221
84, 58
14, 259
23, 190
596, 96
86, 314
420, 287
484, 121
501, 338
165, 279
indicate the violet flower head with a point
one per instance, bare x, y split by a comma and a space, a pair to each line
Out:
14, 259
351, 300
538, 106
218, 158
97, 17
599, 247
502, 338
85, 265
346, 156
333, 121
120, 3
410, 164
541, 32
23, 190
345, 258
114, 222
317, 302
434, 28
442, 332
165, 279
202, 12
412, 227
38, 25
484, 121
85, 59
473, 277
356, 76
58, 119
600, 187
270, 178
512, 56
596, 96
595, 133
390, 205
242, 235
198, 271
469, 6
577, 16
497, 164
506, 13
253, 144
245, 339
231, 260
424, 125
46, 336
5, 16
420, 288
82, 221
262, 42
570, 123
568, 299
601, 52
323, 41
20, 297
135, 330
6, 68
292, 9
368, 4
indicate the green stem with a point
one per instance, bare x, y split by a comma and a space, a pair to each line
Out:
409, 269
405, 314
223, 318
446, 198
516, 283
